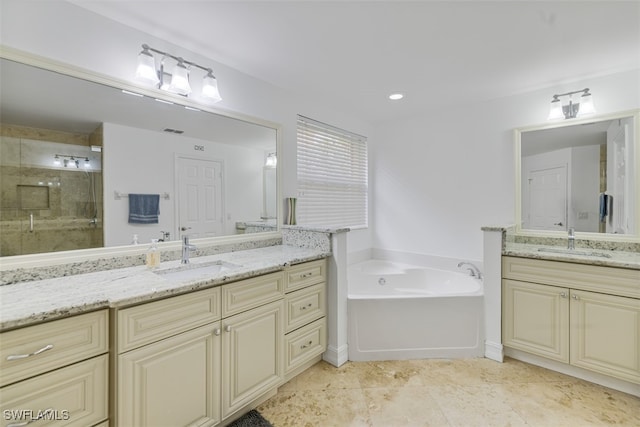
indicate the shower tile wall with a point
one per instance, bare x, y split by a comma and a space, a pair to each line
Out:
60, 200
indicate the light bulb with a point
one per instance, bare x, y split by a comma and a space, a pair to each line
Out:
210, 87
146, 71
556, 110
180, 80
586, 105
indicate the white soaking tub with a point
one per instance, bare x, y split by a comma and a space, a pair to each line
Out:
401, 311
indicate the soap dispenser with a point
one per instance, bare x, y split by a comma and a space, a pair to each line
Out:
153, 255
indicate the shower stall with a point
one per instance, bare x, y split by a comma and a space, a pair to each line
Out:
50, 191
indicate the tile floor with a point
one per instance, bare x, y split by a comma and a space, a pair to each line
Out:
438, 392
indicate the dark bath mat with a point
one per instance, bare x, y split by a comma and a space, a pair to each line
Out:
251, 419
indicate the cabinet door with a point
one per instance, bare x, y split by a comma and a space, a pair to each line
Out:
173, 382
252, 361
536, 319
605, 334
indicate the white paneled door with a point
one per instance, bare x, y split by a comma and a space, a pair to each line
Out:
548, 198
200, 199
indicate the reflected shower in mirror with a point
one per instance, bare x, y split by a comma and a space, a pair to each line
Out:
73, 150
580, 175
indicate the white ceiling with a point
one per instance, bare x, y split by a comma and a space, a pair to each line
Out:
353, 54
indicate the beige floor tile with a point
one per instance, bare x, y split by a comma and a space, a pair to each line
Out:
440, 392
476, 405
311, 408
573, 404
407, 406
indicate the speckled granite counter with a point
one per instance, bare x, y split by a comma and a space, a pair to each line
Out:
597, 257
25, 303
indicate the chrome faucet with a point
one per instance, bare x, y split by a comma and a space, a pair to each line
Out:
473, 270
186, 248
571, 240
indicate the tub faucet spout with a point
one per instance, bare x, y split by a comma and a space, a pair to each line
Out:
473, 270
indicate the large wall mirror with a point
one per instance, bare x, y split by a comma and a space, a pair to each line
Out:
582, 174
81, 159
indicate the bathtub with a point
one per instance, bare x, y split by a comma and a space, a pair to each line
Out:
401, 311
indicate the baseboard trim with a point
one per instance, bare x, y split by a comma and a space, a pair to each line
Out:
336, 356
494, 351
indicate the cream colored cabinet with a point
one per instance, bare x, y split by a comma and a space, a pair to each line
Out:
251, 356
605, 334
305, 316
536, 319
168, 363
579, 323
56, 373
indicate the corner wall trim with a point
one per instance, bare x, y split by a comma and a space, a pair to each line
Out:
493, 351
336, 356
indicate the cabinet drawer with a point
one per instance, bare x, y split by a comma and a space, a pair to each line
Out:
47, 346
247, 294
304, 306
71, 396
310, 273
607, 280
157, 320
304, 344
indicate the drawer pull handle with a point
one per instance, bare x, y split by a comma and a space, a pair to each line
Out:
31, 420
303, 346
305, 275
304, 307
35, 353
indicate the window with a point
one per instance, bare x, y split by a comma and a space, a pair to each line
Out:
332, 176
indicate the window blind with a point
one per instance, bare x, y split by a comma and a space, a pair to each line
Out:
332, 176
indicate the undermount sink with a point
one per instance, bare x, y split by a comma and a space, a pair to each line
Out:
192, 271
574, 252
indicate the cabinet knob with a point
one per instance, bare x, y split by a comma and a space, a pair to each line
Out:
563, 294
35, 353
227, 328
575, 297
216, 331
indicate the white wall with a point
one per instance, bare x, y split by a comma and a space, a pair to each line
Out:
142, 161
439, 177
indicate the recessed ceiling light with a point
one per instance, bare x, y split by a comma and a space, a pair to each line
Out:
396, 96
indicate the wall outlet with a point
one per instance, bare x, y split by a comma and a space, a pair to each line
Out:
583, 215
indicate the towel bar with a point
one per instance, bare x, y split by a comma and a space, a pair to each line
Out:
117, 195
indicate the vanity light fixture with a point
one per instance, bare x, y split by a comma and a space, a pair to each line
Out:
69, 161
572, 109
177, 81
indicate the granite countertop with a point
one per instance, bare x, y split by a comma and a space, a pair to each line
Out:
609, 258
25, 303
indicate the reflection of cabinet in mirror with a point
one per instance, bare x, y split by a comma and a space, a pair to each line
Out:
579, 175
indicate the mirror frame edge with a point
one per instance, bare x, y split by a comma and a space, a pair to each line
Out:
64, 257
517, 132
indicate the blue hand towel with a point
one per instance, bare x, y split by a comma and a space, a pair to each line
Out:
144, 208
604, 211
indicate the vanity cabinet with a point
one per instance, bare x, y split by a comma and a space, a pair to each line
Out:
197, 358
305, 316
56, 371
584, 315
